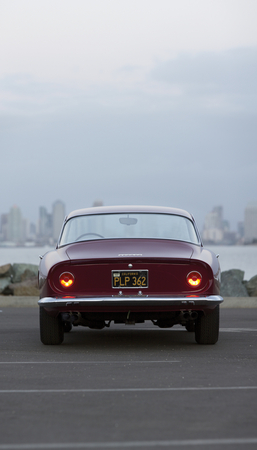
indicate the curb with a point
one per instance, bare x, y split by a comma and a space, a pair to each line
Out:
18, 302
239, 302
25, 302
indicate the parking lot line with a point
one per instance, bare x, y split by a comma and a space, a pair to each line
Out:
88, 362
130, 444
236, 330
153, 389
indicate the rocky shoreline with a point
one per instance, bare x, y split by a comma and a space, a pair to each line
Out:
234, 285
19, 280
22, 280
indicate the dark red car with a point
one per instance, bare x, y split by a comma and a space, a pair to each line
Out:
127, 265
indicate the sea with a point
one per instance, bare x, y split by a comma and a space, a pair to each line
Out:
243, 257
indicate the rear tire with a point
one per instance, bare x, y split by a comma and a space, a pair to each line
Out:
190, 326
51, 328
207, 327
67, 326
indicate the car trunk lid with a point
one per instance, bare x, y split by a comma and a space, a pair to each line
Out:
112, 249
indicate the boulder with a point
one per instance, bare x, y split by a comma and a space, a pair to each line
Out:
19, 279
237, 273
232, 284
22, 272
251, 286
24, 288
6, 271
3, 284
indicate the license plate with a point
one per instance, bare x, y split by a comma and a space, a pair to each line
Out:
129, 279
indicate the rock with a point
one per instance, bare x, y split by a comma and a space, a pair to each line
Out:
251, 286
27, 288
19, 279
28, 274
237, 273
232, 284
22, 272
3, 284
6, 271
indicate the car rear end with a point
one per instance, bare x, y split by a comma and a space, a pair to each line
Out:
128, 268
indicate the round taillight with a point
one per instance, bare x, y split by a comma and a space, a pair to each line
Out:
194, 279
66, 279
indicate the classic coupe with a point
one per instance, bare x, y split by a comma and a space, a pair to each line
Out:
126, 265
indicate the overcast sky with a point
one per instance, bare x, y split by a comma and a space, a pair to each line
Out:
130, 102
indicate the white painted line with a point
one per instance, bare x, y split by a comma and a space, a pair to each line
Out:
230, 330
237, 330
172, 389
130, 444
88, 362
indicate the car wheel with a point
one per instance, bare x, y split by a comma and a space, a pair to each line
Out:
190, 326
51, 328
207, 327
67, 326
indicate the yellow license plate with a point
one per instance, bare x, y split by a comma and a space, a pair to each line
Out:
130, 279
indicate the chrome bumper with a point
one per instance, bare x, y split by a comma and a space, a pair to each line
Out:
122, 300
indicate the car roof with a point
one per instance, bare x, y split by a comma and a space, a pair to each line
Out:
129, 209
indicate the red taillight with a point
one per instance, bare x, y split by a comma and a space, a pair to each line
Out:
66, 279
194, 279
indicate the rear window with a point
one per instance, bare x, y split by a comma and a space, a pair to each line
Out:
128, 226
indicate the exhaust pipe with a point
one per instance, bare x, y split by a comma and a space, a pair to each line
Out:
186, 315
77, 319
189, 315
194, 315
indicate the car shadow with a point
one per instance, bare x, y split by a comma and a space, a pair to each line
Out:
128, 338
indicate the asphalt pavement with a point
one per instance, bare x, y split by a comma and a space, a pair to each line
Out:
128, 387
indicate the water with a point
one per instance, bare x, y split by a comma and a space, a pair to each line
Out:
242, 257
28, 255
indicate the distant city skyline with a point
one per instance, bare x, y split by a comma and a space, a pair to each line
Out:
14, 227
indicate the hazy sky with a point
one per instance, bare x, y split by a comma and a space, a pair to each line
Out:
130, 102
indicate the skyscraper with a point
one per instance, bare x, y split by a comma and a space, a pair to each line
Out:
58, 217
44, 224
16, 226
213, 230
250, 223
